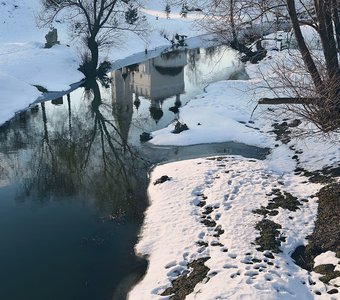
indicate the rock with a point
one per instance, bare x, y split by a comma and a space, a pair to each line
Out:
162, 179
295, 123
51, 38
174, 109
324, 269
145, 136
179, 127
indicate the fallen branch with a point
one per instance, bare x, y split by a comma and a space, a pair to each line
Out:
287, 100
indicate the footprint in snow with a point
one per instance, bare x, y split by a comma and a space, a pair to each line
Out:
227, 206
201, 235
258, 266
236, 190
249, 280
232, 197
268, 277
234, 275
175, 272
229, 266
170, 264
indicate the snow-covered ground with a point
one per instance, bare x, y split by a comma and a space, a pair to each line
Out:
206, 208
24, 62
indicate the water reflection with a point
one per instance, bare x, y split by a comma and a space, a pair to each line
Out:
73, 153
156, 79
84, 156
76, 144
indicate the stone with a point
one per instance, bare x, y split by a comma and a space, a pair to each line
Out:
51, 38
162, 179
145, 136
179, 127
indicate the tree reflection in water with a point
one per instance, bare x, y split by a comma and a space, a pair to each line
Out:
84, 157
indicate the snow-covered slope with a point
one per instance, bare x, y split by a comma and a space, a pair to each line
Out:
25, 63
18, 21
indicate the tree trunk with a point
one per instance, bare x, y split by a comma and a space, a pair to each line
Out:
336, 21
43, 110
323, 11
93, 63
232, 20
306, 56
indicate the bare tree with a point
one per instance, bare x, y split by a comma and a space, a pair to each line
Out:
318, 90
233, 20
97, 23
238, 23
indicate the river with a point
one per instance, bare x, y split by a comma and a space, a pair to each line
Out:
73, 176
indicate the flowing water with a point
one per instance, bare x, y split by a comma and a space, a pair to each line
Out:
73, 177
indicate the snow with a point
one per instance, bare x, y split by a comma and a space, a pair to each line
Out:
326, 258
218, 115
44, 67
18, 21
10, 88
25, 63
233, 186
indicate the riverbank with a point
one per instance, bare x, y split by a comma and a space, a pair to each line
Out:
225, 227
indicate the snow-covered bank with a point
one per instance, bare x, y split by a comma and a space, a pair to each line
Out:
25, 66
24, 62
231, 188
158, 25
220, 114
210, 208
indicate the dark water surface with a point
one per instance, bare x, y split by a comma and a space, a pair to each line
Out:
73, 177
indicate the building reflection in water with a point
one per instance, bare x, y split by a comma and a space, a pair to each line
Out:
156, 79
122, 101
